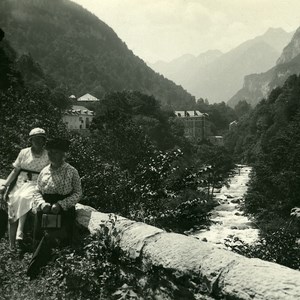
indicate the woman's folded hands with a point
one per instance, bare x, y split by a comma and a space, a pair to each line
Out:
47, 208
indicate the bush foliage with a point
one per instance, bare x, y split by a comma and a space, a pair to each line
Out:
95, 269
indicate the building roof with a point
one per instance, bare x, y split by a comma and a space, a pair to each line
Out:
233, 122
87, 97
188, 113
78, 110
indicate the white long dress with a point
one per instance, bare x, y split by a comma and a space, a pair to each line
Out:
20, 197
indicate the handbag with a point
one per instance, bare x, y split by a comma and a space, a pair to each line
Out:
51, 221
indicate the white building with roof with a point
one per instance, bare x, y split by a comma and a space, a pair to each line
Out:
195, 124
78, 118
88, 98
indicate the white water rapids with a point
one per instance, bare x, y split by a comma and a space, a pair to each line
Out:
229, 219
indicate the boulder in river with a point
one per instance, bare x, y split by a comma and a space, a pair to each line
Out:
221, 197
242, 227
236, 200
229, 196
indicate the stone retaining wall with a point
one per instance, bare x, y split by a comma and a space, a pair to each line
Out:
219, 273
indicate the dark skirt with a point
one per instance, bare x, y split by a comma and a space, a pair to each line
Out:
46, 239
61, 235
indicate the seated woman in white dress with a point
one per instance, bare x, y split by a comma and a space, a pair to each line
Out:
21, 183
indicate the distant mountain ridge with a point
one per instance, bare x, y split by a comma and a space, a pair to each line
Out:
81, 52
258, 86
219, 79
181, 69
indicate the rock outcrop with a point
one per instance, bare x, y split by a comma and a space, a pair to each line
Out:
218, 273
291, 50
258, 86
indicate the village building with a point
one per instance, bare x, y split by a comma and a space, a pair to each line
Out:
72, 97
78, 118
87, 99
232, 125
195, 123
216, 140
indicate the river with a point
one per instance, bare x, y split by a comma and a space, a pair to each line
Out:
228, 217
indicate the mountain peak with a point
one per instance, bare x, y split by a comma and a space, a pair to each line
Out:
277, 38
273, 30
291, 50
211, 53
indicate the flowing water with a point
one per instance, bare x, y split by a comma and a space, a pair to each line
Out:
228, 217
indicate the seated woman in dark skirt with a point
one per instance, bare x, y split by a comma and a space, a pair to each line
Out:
58, 190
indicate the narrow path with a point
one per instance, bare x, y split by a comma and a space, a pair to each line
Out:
228, 216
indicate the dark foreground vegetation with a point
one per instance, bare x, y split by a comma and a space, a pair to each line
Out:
93, 269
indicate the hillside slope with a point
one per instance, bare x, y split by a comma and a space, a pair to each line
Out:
81, 52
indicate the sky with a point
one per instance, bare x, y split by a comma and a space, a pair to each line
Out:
166, 29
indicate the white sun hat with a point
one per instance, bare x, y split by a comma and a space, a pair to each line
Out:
37, 132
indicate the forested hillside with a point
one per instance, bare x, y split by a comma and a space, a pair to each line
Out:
81, 52
269, 138
266, 121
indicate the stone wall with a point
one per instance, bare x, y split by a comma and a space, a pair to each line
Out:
218, 273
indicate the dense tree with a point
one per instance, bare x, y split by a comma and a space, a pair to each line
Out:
9, 76
242, 108
274, 188
22, 109
132, 109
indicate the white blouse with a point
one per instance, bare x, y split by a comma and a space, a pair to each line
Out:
28, 161
64, 180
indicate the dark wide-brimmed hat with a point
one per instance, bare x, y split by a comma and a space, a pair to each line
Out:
58, 144
37, 132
